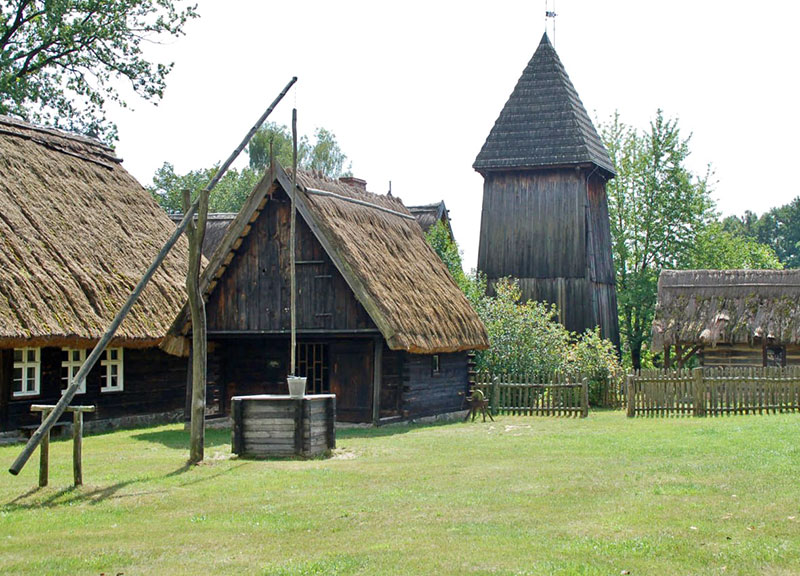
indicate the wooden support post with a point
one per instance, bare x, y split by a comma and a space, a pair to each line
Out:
630, 395
299, 424
237, 427
77, 447
44, 453
495, 395
584, 398
330, 421
699, 407
377, 371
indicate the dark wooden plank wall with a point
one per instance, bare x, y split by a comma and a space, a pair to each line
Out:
532, 225
550, 230
154, 382
428, 394
742, 355
253, 295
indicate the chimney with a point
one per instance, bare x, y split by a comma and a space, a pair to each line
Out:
355, 182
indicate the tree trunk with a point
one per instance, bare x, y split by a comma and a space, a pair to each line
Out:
196, 233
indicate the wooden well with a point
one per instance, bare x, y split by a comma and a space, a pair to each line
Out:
268, 425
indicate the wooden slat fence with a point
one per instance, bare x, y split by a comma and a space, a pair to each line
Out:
528, 396
713, 391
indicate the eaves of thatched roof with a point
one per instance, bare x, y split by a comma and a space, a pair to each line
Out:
730, 306
543, 124
381, 253
76, 234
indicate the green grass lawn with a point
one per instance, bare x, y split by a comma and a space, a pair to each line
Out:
605, 495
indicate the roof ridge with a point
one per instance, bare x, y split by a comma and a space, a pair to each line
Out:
56, 132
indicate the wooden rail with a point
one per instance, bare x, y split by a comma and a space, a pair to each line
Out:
528, 396
713, 391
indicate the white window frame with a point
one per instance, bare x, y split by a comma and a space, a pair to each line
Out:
72, 366
24, 365
107, 363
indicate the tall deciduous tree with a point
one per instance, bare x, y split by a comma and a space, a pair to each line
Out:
323, 154
60, 60
778, 228
657, 208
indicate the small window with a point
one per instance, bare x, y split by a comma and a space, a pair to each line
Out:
26, 372
435, 364
71, 362
113, 375
775, 356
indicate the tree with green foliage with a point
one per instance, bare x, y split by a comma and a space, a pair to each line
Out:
657, 210
60, 60
228, 196
324, 156
662, 217
778, 228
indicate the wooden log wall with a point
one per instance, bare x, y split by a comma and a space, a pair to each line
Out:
429, 394
742, 355
154, 382
266, 426
550, 230
253, 294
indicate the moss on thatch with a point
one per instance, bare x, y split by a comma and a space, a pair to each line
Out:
731, 306
76, 234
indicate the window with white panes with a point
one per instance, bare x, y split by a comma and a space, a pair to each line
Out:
26, 372
113, 376
71, 362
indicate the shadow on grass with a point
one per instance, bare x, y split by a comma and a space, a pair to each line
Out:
96, 495
390, 429
179, 439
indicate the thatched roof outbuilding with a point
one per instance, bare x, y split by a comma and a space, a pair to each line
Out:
731, 306
381, 252
216, 225
76, 234
429, 214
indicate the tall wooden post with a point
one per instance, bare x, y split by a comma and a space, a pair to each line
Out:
630, 395
77, 447
44, 454
584, 398
699, 392
196, 232
293, 272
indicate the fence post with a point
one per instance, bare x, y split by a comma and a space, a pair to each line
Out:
495, 395
699, 407
630, 395
584, 398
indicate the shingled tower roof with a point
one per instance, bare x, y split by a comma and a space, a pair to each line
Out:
544, 123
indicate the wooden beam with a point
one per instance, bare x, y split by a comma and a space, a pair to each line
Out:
377, 372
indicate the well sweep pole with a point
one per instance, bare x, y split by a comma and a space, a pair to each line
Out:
94, 356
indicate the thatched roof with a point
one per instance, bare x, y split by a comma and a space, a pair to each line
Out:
544, 123
382, 255
429, 214
732, 306
76, 234
216, 225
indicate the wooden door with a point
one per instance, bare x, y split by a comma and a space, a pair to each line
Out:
351, 372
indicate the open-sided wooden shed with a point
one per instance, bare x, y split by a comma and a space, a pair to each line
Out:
728, 317
380, 321
76, 233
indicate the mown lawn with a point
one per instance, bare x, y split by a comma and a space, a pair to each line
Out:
605, 495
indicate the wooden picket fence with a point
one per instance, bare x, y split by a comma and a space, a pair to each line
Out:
713, 391
529, 396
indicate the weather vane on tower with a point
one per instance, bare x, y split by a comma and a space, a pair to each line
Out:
550, 14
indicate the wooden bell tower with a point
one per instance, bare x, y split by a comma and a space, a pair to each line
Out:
545, 214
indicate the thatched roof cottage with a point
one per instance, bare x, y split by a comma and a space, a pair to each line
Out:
729, 317
380, 321
429, 214
76, 233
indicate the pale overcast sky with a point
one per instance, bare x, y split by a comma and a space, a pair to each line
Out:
412, 89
